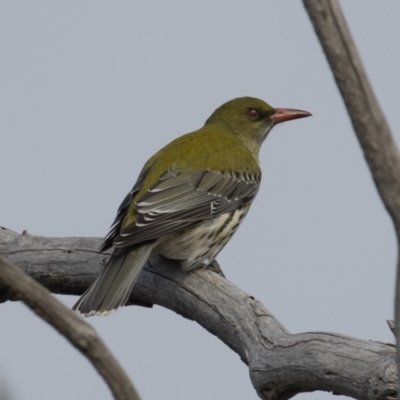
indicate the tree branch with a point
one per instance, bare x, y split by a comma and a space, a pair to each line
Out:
80, 334
281, 364
368, 120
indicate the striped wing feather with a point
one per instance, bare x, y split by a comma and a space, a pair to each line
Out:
116, 225
179, 200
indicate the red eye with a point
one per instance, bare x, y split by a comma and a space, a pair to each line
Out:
253, 114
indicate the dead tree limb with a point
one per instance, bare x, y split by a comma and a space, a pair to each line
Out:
281, 364
368, 120
20, 286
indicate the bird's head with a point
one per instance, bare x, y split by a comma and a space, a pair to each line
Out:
252, 119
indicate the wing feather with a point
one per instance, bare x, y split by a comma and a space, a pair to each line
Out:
180, 199
116, 225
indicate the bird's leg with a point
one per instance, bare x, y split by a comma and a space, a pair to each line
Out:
215, 267
212, 266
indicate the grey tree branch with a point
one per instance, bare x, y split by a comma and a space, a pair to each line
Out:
280, 364
368, 120
20, 286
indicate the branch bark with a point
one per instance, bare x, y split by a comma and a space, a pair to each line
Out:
368, 120
281, 364
81, 335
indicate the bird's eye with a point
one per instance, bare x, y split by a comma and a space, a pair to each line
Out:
253, 114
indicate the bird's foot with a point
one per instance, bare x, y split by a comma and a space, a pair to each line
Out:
215, 267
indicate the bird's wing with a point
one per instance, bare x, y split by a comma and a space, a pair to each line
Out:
180, 199
116, 225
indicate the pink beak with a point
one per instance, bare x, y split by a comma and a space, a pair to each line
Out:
287, 114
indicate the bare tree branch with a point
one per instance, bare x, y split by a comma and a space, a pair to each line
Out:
80, 334
368, 120
281, 364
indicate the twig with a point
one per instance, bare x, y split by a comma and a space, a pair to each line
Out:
368, 120
76, 330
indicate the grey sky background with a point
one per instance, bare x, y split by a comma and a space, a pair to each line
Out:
89, 90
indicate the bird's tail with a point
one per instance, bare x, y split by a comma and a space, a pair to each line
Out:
112, 288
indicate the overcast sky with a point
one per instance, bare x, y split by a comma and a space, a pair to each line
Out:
89, 90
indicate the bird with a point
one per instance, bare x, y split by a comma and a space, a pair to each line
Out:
188, 201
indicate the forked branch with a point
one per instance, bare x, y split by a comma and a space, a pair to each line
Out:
368, 120
281, 364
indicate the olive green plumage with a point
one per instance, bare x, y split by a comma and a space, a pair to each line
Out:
189, 199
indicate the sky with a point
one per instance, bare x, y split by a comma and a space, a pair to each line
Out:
89, 90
